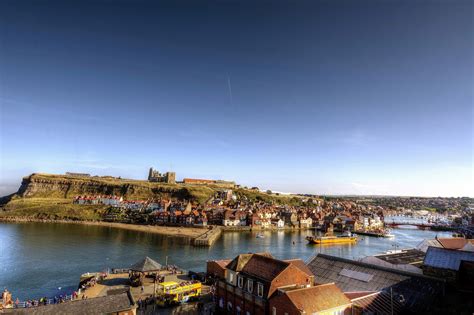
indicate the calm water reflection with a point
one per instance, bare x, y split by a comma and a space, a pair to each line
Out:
36, 259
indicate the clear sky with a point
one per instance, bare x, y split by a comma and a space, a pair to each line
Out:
325, 97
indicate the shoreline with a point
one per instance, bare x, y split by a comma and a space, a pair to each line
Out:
189, 233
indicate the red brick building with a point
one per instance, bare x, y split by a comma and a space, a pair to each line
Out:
251, 280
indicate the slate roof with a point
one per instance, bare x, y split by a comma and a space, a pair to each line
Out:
418, 291
446, 258
100, 305
423, 246
146, 265
407, 256
378, 303
318, 298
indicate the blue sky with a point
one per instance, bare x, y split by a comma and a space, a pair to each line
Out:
325, 97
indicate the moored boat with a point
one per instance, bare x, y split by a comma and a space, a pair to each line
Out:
334, 239
379, 233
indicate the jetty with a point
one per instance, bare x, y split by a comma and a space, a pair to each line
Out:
208, 238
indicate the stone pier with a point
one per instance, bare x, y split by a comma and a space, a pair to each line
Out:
208, 238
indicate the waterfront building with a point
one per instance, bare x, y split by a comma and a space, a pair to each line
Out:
414, 292
251, 280
450, 264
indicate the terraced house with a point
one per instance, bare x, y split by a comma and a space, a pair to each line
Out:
260, 284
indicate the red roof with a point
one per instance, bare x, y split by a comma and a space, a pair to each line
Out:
318, 298
452, 242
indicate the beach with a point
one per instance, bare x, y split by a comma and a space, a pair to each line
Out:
171, 231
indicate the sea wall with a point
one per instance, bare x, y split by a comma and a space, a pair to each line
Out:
208, 238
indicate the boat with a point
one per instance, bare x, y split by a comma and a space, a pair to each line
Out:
377, 233
260, 235
334, 239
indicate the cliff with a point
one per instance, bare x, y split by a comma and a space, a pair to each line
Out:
49, 197
62, 186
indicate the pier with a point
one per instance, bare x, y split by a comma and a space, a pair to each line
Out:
208, 238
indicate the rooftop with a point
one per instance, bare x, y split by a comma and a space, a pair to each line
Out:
101, 305
317, 298
264, 267
407, 256
446, 258
417, 290
238, 263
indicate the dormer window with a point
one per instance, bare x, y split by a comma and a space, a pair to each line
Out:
240, 281
259, 289
250, 286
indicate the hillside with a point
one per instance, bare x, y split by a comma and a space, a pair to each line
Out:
62, 186
48, 196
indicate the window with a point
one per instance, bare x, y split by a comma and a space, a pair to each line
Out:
231, 277
274, 311
250, 286
260, 289
229, 306
240, 281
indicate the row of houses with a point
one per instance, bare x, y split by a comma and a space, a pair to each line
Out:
258, 215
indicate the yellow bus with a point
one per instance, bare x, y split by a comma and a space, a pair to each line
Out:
172, 292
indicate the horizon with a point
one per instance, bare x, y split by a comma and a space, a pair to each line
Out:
324, 98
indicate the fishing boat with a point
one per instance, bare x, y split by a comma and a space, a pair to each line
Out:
334, 239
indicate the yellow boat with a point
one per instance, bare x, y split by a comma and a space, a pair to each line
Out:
339, 239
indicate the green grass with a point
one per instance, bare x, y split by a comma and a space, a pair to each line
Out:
52, 208
255, 196
130, 189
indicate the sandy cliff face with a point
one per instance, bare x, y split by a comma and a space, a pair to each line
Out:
63, 187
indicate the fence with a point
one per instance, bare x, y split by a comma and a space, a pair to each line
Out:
42, 302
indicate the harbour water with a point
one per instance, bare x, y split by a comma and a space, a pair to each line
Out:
47, 259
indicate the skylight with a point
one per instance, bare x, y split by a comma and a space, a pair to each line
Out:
362, 276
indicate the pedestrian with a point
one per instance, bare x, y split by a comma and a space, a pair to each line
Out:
143, 288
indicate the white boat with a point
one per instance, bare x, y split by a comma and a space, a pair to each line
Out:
260, 235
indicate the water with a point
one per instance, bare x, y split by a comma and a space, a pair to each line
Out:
47, 259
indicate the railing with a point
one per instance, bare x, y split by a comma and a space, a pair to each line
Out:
37, 303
